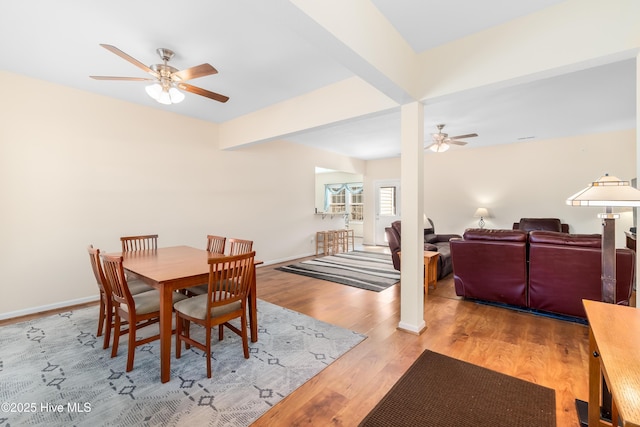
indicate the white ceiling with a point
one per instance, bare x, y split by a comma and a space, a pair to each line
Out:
263, 58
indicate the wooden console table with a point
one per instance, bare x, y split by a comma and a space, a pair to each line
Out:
614, 348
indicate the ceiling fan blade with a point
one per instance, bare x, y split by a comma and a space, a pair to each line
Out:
430, 145
133, 79
469, 135
194, 72
131, 59
203, 92
453, 141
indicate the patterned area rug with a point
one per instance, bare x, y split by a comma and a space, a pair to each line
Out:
54, 372
366, 270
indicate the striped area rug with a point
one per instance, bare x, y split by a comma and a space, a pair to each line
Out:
366, 270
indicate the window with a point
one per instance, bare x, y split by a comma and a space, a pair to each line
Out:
337, 201
356, 208
388, 201
345, 199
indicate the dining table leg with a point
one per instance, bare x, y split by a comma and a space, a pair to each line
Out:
166, 314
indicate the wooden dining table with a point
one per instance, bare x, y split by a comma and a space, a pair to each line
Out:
173, 268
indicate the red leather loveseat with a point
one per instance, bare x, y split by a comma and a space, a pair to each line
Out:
548, 271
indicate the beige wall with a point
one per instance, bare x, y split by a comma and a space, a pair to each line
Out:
529, 179
79, 169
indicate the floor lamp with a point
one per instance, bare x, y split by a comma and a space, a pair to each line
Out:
607, 192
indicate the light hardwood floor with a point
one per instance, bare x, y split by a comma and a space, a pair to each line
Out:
549, 352
545, 351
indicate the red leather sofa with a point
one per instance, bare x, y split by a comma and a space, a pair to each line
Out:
547, 271
491, 265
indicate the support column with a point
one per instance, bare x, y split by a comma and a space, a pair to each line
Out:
412, 184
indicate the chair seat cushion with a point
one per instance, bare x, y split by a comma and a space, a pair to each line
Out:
137, 286
196, 307
149, 302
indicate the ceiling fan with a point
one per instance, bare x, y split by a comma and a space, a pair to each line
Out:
166, 79
442, 141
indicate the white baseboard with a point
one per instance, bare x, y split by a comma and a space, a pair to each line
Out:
40, 309
278, 261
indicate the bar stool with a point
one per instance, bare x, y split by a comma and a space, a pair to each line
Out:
350, 238
322, 242
339, 241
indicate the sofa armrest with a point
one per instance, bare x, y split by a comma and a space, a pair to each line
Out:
434, 238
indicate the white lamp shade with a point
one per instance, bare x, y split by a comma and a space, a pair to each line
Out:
606, 191
481, 212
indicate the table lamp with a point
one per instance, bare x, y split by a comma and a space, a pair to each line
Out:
607, 192
481, 213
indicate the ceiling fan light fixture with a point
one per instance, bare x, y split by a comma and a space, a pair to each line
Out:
164, 95
154, 90
176, 95
164, 98
439, 148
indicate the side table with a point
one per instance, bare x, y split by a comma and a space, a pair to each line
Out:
430, 269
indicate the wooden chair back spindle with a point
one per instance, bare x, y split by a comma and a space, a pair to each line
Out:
240, 246
139, 243
215, 244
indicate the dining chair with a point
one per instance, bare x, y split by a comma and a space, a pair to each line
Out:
239, 246
105, 316
226, 299
139, 243
137, 311
215, 244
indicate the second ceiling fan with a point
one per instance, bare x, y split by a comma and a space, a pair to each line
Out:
442, 141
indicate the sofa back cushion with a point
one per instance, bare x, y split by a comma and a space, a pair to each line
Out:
547, 224
565, 269
556, 238
495, 235
491, 265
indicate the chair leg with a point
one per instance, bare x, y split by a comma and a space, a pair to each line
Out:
245, 343
101, 317
180, 323
108, 320
208, 351
187, 333
116, 336
131, 351
220, 332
